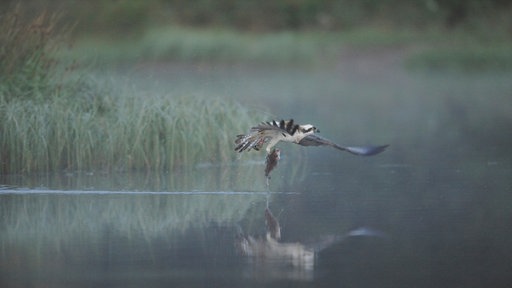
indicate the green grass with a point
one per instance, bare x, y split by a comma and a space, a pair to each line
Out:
223, 45
472, 58
118, 132
210, 45
438, 48
434, 48
53, 117
27, 48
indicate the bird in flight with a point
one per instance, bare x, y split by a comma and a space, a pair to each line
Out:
272, 132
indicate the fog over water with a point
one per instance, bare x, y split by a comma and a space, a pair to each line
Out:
439, 197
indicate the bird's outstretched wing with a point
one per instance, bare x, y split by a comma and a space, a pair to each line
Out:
315, 140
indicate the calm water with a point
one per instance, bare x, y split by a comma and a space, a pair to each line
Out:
439, 200
439, 228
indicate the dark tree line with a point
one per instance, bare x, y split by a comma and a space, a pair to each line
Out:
268, 15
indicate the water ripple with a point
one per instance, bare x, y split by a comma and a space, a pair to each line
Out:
95, 192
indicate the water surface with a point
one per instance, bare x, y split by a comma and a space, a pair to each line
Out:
444, 226
441, 194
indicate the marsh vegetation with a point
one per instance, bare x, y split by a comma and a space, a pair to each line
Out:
55, 117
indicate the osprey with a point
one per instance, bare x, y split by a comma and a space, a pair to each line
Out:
272, 132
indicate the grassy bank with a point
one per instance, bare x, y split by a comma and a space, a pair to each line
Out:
205, 45
433, 48
118, 132
53, 117
469, 59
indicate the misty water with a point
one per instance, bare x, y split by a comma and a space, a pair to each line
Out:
438, 200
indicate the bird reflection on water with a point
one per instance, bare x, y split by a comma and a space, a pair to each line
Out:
289, 259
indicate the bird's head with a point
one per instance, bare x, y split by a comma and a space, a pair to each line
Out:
308, 129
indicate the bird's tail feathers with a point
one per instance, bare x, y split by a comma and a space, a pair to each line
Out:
248, 142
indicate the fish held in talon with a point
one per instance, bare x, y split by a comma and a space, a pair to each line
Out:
273, 132
271, 161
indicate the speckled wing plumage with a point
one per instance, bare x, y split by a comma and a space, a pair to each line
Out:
247, 142
263, 133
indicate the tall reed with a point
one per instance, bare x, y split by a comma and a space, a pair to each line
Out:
51, 121
153, 132
27, 44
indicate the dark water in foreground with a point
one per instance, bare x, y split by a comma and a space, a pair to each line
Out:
446, 226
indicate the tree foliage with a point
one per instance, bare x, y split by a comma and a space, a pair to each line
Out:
128, 16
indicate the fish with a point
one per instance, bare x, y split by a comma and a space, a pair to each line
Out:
271, 161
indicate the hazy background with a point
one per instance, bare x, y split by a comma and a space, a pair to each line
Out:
104, 101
